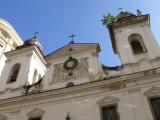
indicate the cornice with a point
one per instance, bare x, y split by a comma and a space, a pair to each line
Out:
75, 53
108, 100
59, 94
60, 53
11, 31
128, 22
152, 92
13, 53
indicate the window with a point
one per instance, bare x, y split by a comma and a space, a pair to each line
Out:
39, 77
36, 118
137, 44
14, 73
109, 113
1, 46
35, 76
156, 108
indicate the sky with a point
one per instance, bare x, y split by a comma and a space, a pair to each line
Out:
55, 20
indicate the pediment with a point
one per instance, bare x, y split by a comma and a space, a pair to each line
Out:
36, 112
152, 92
108, 100
2, 117
73, 48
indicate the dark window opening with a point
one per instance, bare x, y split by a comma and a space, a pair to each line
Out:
35, 77
1, 45
156, 107
37, 118
109, 113
14, 73
137, 47
137, 44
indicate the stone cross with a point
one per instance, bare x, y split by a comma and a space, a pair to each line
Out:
72, 36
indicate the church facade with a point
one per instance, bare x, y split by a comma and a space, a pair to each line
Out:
71, 84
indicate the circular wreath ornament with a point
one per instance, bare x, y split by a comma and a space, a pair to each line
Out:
70, 64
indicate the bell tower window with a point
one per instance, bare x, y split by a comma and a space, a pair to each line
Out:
14, 73
35, 76
137, 44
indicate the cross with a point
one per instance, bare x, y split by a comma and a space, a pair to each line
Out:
35, 34
120, 9
72, 37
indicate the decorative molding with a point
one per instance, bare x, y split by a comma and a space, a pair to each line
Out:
70, 64
2, 117
8, 60
130, 65
15, 111
52, 94
11, 90
154, 91
77, 49
134, 90
130, 21
157, 59
108, 100
35, 113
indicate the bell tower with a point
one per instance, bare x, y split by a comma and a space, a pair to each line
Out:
132, 38
9, 40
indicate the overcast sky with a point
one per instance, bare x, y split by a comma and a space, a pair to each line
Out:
55, 20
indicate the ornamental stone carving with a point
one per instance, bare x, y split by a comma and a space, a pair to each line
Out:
60, 74
108, 100
70, 64
154, 91
35, 112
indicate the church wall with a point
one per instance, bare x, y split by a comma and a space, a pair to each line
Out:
132, 104
93, 70
35, 64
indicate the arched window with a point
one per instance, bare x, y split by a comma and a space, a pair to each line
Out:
35, 76
137, 44
1, 45
39, 77
14, 73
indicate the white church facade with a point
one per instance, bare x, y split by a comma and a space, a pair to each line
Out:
71, 84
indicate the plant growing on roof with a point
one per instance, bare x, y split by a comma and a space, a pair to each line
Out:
109, 18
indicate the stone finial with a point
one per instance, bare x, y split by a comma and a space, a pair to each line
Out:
139, 13
68, 116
